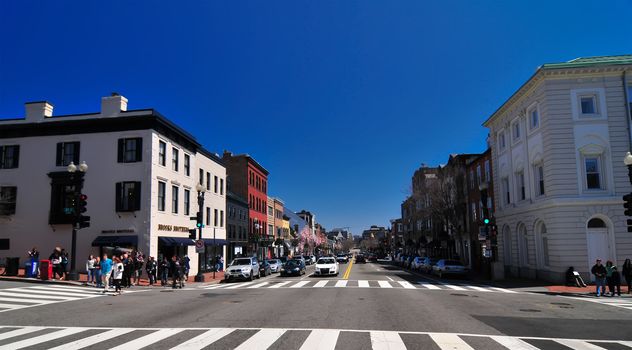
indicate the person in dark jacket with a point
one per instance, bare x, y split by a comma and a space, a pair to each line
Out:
176, 272
151, 267
600, 277
627, 274
164, 271
128, 264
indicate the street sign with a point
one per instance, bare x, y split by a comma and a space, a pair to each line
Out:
199, 246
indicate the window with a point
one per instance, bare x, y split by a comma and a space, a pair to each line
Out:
208, 181
127, 196
592, 173
8, 197
474, 216
130, 150
221, 187
539, 179
9, 156
534, 118
187, 165
63, 195
215, 185
516, 131
67, 152
187, 202
472, 179
174, 199
162, 153
161, 195
270, 211
487, 171
479, 179
174, 159
501, 141
587, 105
520, 185
523, 245
201, 177
221, 218
506, 192
545, 245
215, 217
208, 216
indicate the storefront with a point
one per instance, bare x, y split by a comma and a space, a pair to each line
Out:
170, 246
213, 248
115, 245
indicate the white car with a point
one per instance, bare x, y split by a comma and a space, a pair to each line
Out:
326, 266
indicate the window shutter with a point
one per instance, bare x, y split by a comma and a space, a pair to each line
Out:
75, 157
16, 157
121, 149
60, 155
139, 149
119, 196
137, 195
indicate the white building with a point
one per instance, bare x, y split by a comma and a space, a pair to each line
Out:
141, 183
558, 145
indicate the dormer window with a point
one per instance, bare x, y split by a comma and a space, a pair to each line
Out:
588, 105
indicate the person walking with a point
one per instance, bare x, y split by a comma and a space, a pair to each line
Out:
187, 266
97, 272
117, 275
64, 264
176, 272
164, 271
128, 265
610, 267
627, 274
150, 267
90, 269
55, 260
138, 267
106, 269
600, 277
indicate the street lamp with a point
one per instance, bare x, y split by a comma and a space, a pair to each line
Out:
77, 180
627, 160
256, 237
200, 191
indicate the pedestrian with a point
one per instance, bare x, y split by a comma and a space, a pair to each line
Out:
34, 256
106, 269
90, 269
627, 273
176, 272
128, 264
117, 275
221, 263
164, 271
97, 272
186, 262
138, 267
600, 277
55, 260
64, 263
150, 267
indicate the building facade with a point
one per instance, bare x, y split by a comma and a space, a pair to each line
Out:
557, 147
140, 183
237, 226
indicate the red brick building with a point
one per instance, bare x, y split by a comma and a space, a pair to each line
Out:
249, 180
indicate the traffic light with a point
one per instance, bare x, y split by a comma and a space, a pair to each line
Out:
627, 204
192, 234
486, 221
83, 221
198, 220
81, 204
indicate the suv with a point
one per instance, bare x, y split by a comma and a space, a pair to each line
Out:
242, 268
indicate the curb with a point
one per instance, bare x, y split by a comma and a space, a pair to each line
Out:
39, 281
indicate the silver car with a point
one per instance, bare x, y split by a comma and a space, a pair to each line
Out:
275, 265
242, 269
449, 267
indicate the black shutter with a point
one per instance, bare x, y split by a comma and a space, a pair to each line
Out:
119, 195
121, 150
75, 156
137, 195
16, 156
139, 149
60, 154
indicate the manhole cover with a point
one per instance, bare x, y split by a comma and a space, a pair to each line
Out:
529, 310
459, 295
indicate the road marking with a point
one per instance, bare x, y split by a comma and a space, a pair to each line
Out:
42, 338
449, 341
35, 297
513, 343
30, 301
259, 285
428, 285
387, 341
205, 339
320, 284
262, 339
341, 283
578, 344
390, 279
384, 284
406, 285
348, 271
279, 285
238, 285
363, 284
83, 293
97, 338
453, 287
503, 290
149, 339
54, 292
481, 289
18, 332
300, 284
321, 339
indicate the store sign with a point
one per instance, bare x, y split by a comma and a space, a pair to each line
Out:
118, 231
172, 228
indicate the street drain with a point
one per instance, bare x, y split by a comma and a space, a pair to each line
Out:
529, 310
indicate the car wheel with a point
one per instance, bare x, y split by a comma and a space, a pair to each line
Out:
252, 277
440, 274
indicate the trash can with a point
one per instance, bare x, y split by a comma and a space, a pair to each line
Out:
13, 264
27, 270
46, 270
34, 268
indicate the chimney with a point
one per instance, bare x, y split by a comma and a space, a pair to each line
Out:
38, 111
113, 105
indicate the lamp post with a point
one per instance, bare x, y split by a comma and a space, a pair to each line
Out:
200, 191
77, 179
256, 237
214, 253
482, 188
627, 160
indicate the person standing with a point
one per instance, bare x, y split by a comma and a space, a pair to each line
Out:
164, 271
627, 274
600, 277
64, 264
150, 267
55, 260
138, 267
128, 264
187, 266
90, 269
106, 269
34, 255
176, 272
610, 267
97, 272
117, 275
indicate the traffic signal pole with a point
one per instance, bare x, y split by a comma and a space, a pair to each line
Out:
199, 277
77, 178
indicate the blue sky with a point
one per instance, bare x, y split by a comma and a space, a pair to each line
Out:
340, 100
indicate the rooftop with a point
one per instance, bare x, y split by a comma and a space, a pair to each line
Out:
591, 61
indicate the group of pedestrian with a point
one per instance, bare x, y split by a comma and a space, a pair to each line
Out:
59, 262
609, 275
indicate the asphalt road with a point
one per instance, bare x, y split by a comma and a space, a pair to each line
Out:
376, 306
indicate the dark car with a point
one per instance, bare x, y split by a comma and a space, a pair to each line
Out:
360, 259
264, 268
372, 257
293, 268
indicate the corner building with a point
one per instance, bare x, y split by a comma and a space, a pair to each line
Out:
141, 183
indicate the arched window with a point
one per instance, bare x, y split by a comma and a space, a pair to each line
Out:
545, 244
596, 223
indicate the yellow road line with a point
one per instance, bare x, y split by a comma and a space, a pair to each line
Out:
348, 271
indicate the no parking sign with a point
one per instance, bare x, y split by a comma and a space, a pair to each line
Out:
199, 246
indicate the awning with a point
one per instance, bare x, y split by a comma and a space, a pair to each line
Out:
176, 241
217, 241
115, 241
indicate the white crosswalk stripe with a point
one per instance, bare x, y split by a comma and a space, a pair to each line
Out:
263, 338
24, 297
621, 302
340, 283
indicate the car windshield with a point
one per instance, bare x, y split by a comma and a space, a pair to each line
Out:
292, 263
241, 262
326, 261
272, 261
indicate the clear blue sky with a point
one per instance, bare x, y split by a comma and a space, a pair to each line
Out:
340, 100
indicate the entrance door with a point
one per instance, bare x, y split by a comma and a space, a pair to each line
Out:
598, 247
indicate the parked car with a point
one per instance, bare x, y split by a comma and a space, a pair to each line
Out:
300, 258
449, 267
264, 268
326, 266
293, 267
275, 265
242, 268
360, 259
283, 260
416, 263
427, 264
342, 258
372, 258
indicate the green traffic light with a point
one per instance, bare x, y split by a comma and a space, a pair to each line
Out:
486, 221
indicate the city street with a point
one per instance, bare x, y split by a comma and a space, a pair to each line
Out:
367, 306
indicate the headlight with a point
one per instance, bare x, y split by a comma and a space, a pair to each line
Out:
296, 269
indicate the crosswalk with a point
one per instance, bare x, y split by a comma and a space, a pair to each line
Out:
24, 297
338, 283
72, 338
625, 302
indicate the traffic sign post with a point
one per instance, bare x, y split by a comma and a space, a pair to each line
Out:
199, 246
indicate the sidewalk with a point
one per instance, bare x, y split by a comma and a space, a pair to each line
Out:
83, 278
